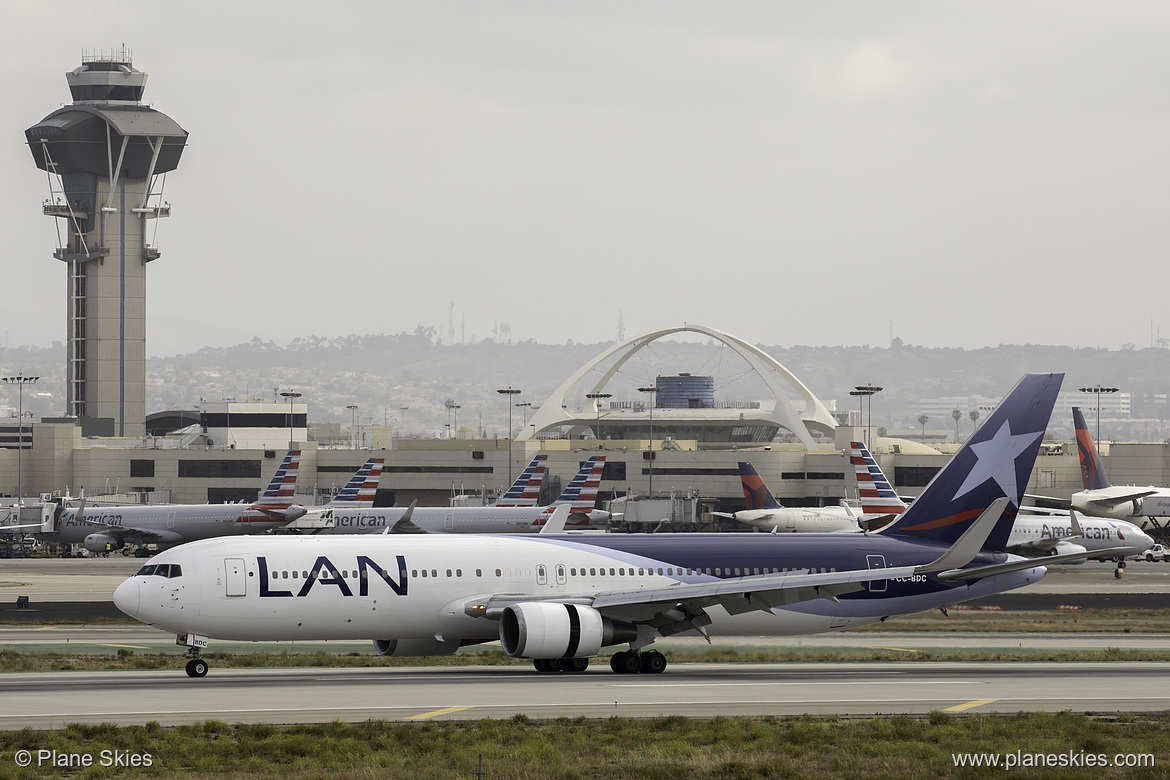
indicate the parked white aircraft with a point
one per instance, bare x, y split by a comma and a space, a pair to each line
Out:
559, 599
1101, 498
765, 512
109, 528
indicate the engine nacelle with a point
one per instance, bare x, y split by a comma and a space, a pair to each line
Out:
97, 543
1067, 548
544, 630
401, 648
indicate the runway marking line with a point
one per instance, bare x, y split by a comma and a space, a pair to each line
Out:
107, 644
436, 713
969, 705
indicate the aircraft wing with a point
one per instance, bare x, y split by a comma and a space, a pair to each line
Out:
681, 606
140, 535
1036, 547
1114, 500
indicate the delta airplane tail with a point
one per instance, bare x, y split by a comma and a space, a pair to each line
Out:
1092, 470
755, 493
525, 491
994, 465
362, 486
876, 493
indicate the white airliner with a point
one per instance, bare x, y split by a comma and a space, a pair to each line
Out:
1101, 498
765, 512
580, 495
108, 528
1039, 535
558, 599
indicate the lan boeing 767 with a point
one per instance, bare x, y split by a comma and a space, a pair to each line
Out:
558, 599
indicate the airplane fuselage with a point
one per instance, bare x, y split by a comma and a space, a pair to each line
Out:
795, 520
173, 523
1096, 534
418, 587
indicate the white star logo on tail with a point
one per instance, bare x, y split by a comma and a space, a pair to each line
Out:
996, 459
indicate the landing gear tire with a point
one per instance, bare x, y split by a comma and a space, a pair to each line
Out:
575, 665
1121, 564
626, 662
547, 664
1117, 574
653, 662
196, 667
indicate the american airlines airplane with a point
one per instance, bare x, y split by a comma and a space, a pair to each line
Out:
108, 528
558, 599
580, 495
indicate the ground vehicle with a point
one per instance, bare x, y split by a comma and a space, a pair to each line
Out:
1155, 553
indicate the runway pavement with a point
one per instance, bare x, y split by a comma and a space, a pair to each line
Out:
51, 700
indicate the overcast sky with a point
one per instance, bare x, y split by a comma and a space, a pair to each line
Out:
792, 173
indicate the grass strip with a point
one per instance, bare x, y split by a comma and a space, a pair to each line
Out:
721, 748
14, 661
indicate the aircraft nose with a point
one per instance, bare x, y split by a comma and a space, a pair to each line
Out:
127, 597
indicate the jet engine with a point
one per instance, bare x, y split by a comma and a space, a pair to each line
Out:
547, 630
1065, 548
415, 647
97, 542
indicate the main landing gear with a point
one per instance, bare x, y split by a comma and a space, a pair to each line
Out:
632, 662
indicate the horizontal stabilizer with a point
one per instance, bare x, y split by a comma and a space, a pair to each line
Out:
1029, 563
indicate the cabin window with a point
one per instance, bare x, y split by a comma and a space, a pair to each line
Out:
459, 572
296, 575
448, 572
593, 572
572, 572
498, 573
611, 572
479, 572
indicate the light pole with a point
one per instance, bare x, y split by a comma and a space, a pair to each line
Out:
597, 398
508, 392
352, 425
866, 391
1097, 390
291, 396
20, 380
651, 391
524, 405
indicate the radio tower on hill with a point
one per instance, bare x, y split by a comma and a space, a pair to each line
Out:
107, 156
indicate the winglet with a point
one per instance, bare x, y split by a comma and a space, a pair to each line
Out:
1076, 525
404, 525
971, 542
556, 522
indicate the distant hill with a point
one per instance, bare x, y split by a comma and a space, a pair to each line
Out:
382, 373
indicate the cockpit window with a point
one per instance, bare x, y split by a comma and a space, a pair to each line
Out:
170, 570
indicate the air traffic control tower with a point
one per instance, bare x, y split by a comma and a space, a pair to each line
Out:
107, 155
